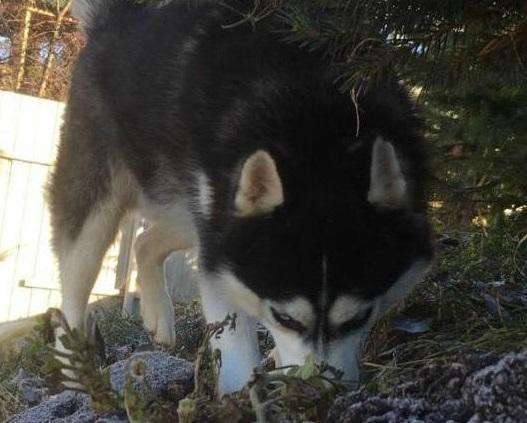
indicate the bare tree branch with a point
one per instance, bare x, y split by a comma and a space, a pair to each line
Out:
52, 44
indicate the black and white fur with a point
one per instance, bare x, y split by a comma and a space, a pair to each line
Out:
236, 142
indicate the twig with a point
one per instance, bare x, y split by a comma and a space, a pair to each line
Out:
255, 396
52, 43
357, 115
23, 48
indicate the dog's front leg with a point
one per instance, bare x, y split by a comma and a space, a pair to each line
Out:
239, 346
152, 247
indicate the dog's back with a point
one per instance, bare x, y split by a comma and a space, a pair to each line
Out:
157, 83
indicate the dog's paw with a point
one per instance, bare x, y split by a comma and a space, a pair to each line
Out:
165, 331
158, 319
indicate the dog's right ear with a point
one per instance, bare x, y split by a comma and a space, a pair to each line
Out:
388, 187
260, 189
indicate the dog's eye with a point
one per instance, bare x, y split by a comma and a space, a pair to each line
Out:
287, 321
357, 322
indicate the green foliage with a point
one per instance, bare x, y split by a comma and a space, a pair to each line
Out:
477, 300
200, 404
479, 144
466, 58
298, 393
447, 43
31, 356
81, 367
295, 393
496, 253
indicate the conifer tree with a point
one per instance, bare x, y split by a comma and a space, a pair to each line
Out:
467, 59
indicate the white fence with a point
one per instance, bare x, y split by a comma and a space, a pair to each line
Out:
29, 135
29, 132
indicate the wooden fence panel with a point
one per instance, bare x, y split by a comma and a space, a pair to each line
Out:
29, 133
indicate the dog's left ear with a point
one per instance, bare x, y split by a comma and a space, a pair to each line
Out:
388, 187
260, 189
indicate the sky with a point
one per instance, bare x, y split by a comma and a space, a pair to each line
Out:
5, 47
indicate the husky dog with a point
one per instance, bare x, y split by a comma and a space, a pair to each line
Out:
308, 212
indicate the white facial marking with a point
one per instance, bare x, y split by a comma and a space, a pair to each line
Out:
292, 348
205, 194
343, 353
345, 308
298, 308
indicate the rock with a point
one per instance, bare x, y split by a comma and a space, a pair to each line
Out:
357, 407
498, 393
31, 388
477, 388
65, 407
118, 353
163, 374
163, 371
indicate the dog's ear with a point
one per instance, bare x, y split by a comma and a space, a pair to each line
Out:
388, 187
260, 189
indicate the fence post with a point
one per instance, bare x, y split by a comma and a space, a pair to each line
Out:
123, 272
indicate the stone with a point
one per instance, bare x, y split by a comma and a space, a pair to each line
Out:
163, 373
66, 407
31, 388
498, 393
478, 388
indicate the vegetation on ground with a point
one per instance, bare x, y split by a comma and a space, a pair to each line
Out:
474, 300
